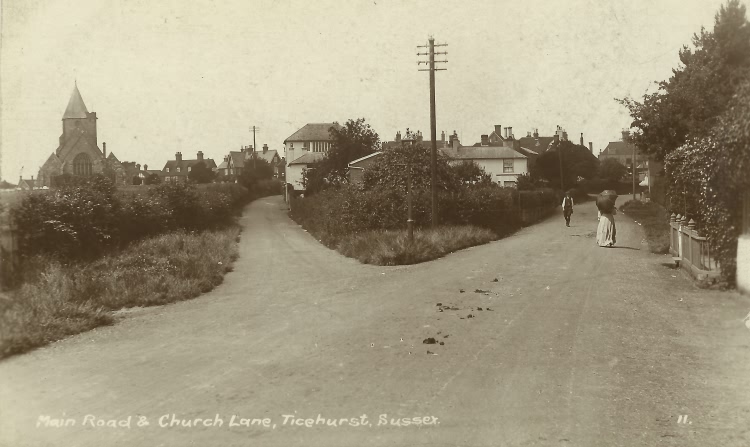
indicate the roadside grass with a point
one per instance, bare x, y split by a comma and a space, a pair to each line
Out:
60, 300
655, 222
384, 247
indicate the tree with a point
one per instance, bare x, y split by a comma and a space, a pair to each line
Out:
389, 169
136, 180
577, 162
152, 179
612, 170
688, 105
200, 173
471, 173
255, 171
354, 140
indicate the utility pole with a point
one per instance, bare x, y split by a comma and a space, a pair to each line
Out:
254, 130
433, 127
635, 169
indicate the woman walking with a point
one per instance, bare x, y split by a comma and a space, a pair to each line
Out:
606, 233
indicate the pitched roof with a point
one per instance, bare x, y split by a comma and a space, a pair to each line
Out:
313, 132
76, 108
223, 165
237, 158
539, 145
308, 158
267, 155
353, 163
481, 152
184, 164
618, 148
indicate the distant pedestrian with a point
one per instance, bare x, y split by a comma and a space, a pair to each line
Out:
567, 206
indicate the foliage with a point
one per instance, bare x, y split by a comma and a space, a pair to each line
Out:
5, 185
333, 214
688, 105
200, 173
83, 222
393, 247
577, 161
527, 182
152, 179
354, 140
389, 169
612, 170
65, 299
708, 177
136, 180
469, 172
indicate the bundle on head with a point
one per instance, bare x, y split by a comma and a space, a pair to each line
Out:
606, 201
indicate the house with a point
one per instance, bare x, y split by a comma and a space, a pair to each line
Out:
357, 167
236, 161
498, 153
177, 170
623, 151
271, 156
26, 184
304, 148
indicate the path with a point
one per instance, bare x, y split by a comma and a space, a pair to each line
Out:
583, 346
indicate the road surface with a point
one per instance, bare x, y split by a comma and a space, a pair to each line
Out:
575, 345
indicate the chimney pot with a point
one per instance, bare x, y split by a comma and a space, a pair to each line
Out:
178, 156
200, 155
510, 133
104, 149
591, 147
499, 130
265, 148
145, 167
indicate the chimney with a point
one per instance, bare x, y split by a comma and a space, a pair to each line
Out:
510, 133
506, 132
20, 179
557, 137
499, 130
138, 166
528, 134
582, 143
145, 167
442, 136
419, 135
242, 149
265, 148
178, 156
456, 143
104, 149
536, 133
591, 147
398, 136
200, 155
485, 140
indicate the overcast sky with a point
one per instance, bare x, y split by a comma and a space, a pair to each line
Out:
177, 75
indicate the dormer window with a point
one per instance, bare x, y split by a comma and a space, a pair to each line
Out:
178, 169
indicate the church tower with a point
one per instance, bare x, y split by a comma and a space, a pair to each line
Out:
77, 120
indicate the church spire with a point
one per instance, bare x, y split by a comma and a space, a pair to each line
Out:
76, 108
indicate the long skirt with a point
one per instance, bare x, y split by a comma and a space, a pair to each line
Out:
605, 234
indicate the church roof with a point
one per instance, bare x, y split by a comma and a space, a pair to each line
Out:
76, 108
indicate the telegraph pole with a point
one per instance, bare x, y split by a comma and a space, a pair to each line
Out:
634, 169
254, 130
433, 127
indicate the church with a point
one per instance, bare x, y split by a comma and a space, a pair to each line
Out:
78, 152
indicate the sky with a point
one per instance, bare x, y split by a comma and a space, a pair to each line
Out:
174, 75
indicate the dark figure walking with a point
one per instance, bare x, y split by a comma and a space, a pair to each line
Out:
567, 205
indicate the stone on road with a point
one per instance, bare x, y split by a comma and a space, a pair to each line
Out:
583, 346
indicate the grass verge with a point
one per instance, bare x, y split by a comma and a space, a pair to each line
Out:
394, 248
63, 300
654, 220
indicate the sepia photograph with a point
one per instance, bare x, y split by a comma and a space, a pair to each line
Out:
386, 223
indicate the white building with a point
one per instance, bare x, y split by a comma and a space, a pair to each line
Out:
304, 148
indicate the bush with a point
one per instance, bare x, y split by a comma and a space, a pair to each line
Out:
389, 247
655, 222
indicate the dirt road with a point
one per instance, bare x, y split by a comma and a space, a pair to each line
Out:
574, 345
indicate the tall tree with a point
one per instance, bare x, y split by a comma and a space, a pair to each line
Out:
354, 140
689, 103
577, 161
200, 173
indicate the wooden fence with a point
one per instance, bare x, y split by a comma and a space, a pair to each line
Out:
690, 249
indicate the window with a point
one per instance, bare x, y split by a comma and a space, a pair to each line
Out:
509, 184
82, 165
507, 165
291, 145
306, 145
178, 169
189, 168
